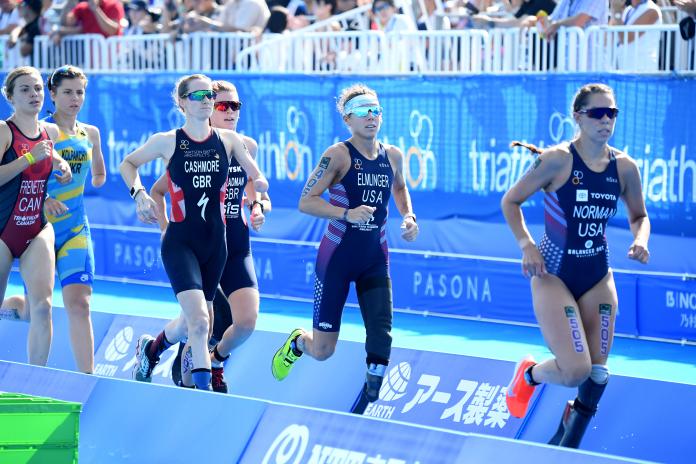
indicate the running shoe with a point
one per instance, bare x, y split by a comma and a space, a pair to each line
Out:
219, 384
284, 358
142, 371
519, 392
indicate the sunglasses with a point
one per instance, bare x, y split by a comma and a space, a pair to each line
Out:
199, 95
381, 7
362, 111
599, 113
62, 70
228, 105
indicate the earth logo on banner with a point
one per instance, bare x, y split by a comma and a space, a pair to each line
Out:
395, 383
116, 354
119, 345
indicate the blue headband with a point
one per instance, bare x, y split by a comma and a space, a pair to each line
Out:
359, 100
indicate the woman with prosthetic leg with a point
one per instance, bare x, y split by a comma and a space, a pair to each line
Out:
360, 175
573, 289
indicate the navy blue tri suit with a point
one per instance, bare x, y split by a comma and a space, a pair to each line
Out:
193, 247
574, 245
239, 269
356, 252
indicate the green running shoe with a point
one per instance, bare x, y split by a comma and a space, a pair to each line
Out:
284, 358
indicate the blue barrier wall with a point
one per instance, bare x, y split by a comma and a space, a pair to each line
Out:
130, 422
458, 393
14, 338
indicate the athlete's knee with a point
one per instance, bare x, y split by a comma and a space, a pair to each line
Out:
576, 373
323, 350
246, 323
40, 309
198, 325
77, 307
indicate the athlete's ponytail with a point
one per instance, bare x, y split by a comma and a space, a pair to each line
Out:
533, 148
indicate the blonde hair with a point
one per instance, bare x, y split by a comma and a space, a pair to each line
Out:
181, 88
12, 76
351, 92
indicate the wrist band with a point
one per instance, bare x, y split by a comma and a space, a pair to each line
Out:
135, 191
345, 215
30, 158
254, 203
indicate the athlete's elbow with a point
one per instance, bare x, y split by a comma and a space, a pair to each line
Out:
506, 202
98, 180
125, 166
303, 205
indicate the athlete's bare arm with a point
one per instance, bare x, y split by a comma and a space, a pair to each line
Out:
401, 195
333, 165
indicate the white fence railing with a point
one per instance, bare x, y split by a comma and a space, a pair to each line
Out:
639, 49
524, 50
634, 49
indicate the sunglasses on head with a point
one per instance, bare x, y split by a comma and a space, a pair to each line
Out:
199, 95
228, 105
62, 70
599, 113
362, 111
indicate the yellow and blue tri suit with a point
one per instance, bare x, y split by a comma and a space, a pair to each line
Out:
74, 252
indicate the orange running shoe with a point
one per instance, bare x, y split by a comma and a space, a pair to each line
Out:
519, 391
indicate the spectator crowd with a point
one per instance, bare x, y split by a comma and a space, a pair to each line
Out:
23, 20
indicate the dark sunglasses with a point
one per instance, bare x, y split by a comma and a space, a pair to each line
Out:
199, 95
228, 105
599, 113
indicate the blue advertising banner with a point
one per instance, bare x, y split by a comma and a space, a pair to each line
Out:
291, 435
426, 282
453, 392
287, 435
115, 355
670, 307
454, 133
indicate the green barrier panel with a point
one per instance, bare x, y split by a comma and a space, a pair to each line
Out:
38, 430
